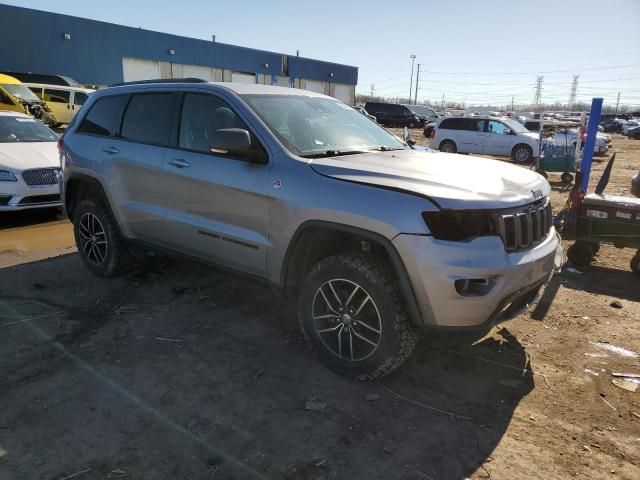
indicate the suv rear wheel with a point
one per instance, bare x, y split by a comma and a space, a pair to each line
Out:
522, 154
352, 313
99, 243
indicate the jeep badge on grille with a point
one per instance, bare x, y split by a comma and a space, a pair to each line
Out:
537, 193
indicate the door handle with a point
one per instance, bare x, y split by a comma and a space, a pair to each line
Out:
179, 163
110, 150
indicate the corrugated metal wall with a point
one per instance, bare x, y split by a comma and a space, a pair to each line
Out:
33, 41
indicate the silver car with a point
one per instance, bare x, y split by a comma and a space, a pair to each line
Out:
372, 239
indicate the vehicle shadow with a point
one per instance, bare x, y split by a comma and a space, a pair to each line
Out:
30, 217
208, 371
601, 280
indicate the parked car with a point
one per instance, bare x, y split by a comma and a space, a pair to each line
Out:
29, 163
430, 129
392, 114
63, 101
628, 125
27, 77
364, 112
634, 132
239, 174
15, 97
425, 113
569, 137
487, 135
613, 125
532, 125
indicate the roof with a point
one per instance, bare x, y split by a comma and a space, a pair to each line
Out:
6, 79
239, 88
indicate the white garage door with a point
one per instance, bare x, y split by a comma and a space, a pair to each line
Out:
243, 77
314, 86
281, 81
137, 69
195, 71
342, 92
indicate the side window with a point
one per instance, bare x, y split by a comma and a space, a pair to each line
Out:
56, 96
448, 124
4, 98
79, 98
104, 115
498, 128
37, 91
147, 118
202, 115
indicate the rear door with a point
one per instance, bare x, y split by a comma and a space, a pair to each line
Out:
217, 206
471, 136
59, 101
497, 138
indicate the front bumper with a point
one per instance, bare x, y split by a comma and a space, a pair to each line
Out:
514, 279
19, 196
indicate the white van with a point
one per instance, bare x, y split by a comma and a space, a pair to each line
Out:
486, 135
64, 101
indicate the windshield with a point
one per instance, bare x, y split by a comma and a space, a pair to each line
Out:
515, 126
311, 126
21, 92
24, 129
422, 110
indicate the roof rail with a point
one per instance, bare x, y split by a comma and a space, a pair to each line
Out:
160, 80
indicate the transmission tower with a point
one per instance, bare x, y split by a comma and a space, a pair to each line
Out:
538, 95
574, 90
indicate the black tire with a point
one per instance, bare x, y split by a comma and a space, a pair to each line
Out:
384, 312
594, 246
522, 154
115, 258
448, 146
580, 254
635, 263
566, 177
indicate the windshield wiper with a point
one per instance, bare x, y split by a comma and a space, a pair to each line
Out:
333, 153
384, 148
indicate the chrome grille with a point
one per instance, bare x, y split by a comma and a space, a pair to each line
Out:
526, 227
41, 176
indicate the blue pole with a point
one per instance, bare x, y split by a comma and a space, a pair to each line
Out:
590, 142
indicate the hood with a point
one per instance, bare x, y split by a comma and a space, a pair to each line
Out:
24, 155
533, 135
452, 181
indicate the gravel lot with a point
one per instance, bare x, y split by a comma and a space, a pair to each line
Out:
181, 371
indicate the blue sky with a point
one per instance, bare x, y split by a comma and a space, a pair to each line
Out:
477, 51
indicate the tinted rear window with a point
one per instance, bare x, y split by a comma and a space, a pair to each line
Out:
148, 118
104, 115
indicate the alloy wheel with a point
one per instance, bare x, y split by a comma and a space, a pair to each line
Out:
93, 238
346, 319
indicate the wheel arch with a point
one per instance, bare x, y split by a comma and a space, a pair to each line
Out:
78, 184
314, 240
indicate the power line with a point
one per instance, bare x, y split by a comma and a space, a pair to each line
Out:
533, 73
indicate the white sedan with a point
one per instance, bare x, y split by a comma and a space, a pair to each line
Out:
569, 136
29, 163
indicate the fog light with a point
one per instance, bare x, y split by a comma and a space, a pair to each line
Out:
473, 287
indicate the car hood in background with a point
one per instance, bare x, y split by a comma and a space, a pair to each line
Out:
451, 180
25, 155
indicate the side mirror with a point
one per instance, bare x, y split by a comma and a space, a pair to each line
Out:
237, 142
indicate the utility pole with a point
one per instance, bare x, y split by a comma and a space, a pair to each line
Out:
373, 87
417, 81
512, 103
538, 95
442, 107
574, 90
413, 59
617, 103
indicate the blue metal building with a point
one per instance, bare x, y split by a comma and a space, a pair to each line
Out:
100, 53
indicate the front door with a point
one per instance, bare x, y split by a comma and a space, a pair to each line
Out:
78, 100
59, 102
497, 139
216, 204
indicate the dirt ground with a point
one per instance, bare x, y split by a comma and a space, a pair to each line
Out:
181, 371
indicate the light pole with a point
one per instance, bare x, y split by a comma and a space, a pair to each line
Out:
413, 59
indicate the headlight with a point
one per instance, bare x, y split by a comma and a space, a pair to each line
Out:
7, 176
461, 225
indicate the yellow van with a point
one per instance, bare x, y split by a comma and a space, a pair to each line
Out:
16, 97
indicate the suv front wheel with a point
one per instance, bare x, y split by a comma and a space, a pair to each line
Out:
99, 243
353, 315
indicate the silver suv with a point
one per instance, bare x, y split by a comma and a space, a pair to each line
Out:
372, 238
